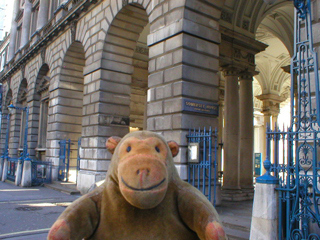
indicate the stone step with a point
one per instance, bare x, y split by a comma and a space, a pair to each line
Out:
236, 232
65, 187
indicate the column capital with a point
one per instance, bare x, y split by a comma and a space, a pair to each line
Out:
230, 70
271, 104
247, 75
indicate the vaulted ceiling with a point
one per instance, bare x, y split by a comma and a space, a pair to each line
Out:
272, 25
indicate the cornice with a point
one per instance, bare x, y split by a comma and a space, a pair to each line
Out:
73, 14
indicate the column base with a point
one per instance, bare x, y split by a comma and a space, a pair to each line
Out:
237, 195
88, 178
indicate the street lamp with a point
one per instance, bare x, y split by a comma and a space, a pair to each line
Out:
11, 108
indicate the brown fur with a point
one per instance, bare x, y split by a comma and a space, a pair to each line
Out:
143, 198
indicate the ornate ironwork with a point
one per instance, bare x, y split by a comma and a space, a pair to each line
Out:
295, 159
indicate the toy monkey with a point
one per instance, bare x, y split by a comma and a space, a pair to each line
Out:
142, 198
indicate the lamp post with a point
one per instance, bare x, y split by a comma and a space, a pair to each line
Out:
20, 178
4, 157
11, 108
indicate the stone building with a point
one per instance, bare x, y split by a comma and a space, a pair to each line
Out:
97, 68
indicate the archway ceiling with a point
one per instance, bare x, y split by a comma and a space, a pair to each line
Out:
272, 25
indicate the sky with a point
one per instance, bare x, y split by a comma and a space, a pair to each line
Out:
6, 8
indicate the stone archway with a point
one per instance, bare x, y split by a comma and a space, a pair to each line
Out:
183, 65
39, 106
66, 108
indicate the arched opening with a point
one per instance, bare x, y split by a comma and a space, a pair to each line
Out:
21, 115
127, 37
41, 106
273, 65
68, 106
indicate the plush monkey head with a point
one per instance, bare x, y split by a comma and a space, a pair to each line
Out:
142, 166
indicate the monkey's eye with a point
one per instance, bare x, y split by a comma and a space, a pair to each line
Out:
128, 149
157, 149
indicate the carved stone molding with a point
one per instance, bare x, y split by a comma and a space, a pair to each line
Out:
73, 28
226, 16
125, 3
142, 50
23, 70
43, 55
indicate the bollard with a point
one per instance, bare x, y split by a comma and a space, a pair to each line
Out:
264, 223
1, 166
5, 169
26, 180
19, 172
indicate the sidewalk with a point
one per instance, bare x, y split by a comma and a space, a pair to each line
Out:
28, 213
236, 219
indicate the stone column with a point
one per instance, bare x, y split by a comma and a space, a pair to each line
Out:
246, 131
220, 135
231, 130
43, 14
270, 108
26, 23
13, 32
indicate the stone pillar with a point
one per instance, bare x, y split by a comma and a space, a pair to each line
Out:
270, 108
220, 135
26, 23
246, 131
264, 223
5, 169
180, 74
26, 180
13, 32
43, 14
1, 166
18, 173
231, 131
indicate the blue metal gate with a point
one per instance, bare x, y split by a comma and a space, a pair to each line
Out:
12, 168
40, 172
64, 159
202, 169
295, 151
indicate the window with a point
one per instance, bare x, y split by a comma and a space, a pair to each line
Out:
34, 19
22, 125
3, 60
18, 39
42, 137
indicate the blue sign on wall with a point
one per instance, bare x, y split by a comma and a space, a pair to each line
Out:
192, 105
257, 164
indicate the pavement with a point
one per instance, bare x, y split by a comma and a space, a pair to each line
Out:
28, 213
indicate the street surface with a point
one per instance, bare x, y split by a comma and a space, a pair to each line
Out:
28, 213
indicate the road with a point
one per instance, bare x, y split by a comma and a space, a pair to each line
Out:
28, 213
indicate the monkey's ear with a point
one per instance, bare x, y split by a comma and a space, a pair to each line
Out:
174, 147
112, 143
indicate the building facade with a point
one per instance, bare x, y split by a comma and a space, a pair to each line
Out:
91, 69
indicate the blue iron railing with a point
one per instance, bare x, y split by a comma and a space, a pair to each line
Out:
294, 152
64, 159
12, 168
41, 172
202, 168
